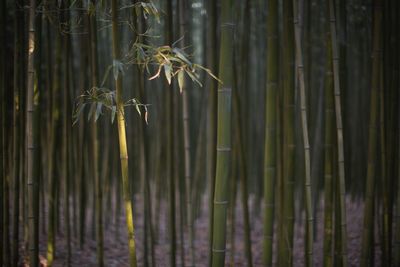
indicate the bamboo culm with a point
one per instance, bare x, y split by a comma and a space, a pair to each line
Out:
223, 136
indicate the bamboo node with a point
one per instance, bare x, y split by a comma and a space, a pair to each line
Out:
228, 24
225, 90
223, 149
220, 202
219, 250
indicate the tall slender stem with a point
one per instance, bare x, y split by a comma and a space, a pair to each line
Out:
32, 138
223, 136
339, 133
304, 126
270, 156
122, 139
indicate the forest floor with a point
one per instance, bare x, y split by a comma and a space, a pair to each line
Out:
116, 248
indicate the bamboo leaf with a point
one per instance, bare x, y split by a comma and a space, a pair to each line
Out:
167, 70
91, 110
181, 79
106, 75
208, 72
157, 74
146, 115
194, 77
113, 111
98, 111
117, 68
181, 55
78, 112
137, 106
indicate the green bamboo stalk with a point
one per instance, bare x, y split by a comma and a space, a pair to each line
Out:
242, 172
339, 135
385, 190
391, 98
95, 145
270, 130
286, 244
122, 139
328, 154
200, 159
372, 136
37, 162
232, 207
279, 172
18, 84
80, 149
211, 111
54, 118
6, 185
3, 155
223, 136
396, 250
2, 123
337, 246
303, 104
64, 164
82, 194
144, 153
170, 167
396, 247
186, 141
32, 138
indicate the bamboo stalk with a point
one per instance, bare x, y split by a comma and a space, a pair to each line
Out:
339, 135
242, 172
223, 136
122, 139
372, 137
270, 149
3, 154
286, 244
232, 207
396, 246
3, 6
144, 153
95, 146
64, 164
303, 104
32, 138
53, 137
396, 250
211, 111
18, 87
169, 116
385, 191
186, 142
328, 154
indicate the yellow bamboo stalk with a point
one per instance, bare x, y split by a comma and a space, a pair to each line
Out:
123, 149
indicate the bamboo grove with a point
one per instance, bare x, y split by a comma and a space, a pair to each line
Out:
199, 133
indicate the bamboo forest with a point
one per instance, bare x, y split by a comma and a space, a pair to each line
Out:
199, 133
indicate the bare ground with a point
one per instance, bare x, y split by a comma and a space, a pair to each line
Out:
116, 249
